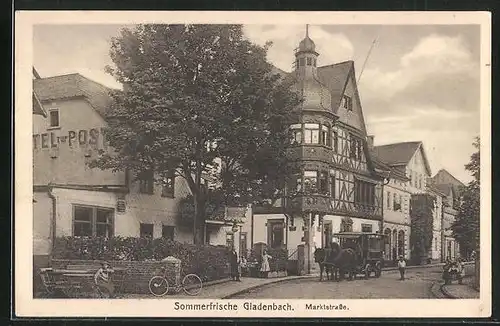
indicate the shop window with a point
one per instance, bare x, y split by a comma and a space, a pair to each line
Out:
91, 221
168, 186
310, 181
311, 133
168, 232
146, 182
146, 230
54, 118
366, 228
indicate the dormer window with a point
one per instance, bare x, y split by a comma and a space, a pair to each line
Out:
346, 103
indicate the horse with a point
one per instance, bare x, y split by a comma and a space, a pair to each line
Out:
345, 259
320, 257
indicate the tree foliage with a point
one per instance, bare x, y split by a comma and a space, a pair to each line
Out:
200, 100
465, 228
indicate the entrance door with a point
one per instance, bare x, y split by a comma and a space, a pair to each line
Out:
327, 234
275, 233
243, 244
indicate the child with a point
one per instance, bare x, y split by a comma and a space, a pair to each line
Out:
102, 279
402, 267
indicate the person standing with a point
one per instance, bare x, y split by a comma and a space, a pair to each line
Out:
265, 268
402, 267
233, 260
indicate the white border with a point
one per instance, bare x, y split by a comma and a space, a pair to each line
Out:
26, 306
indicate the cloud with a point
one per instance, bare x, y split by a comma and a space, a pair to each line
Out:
332, 48
438, 71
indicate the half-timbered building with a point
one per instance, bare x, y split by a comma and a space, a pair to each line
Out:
338, 187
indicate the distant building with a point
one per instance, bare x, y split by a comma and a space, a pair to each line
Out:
410, 159
450, 187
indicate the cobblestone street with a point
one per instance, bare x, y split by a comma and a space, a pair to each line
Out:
388, 286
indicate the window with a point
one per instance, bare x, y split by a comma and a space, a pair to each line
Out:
91, 221
299, 183
389, 200
146, 230
353, 150
346, 103
323, 182
366, 228
168, 186
435, 244
325, 138
314, 62
168, 232
310, 181
301, 62
54, 118
297, 133
309, 61
230, 239
364, 193
360, 149
146, 182
335, 141
311, 133
332, 184
397, 202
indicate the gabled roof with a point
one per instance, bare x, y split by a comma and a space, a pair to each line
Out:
70, 86
335, 78
380, 164
400, 153
455, 182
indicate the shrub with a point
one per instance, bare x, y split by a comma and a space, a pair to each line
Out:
208, 262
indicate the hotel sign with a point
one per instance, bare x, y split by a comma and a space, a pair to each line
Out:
81, 137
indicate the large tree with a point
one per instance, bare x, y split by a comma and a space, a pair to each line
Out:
200, 101
465, 228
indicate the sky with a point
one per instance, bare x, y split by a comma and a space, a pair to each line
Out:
419, 83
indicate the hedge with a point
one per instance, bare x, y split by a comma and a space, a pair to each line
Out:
208, 262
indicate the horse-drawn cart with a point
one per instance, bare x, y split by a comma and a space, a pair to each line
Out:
353, 253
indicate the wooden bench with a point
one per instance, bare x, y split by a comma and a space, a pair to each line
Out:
118, 277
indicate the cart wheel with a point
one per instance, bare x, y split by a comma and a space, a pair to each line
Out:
367, 271
158, 286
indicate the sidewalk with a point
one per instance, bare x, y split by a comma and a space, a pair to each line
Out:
461, 291
225, 288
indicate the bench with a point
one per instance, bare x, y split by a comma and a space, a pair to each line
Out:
84, 267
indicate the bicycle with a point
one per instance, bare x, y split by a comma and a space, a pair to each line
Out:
191, 284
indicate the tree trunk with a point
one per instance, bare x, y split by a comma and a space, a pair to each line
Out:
199, 221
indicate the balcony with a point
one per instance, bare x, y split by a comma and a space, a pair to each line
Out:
311, 152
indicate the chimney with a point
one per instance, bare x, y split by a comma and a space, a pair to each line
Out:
369, 140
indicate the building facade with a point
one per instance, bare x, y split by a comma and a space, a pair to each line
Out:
71, 199
337, 187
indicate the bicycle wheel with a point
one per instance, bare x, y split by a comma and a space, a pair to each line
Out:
192, 284
158, 286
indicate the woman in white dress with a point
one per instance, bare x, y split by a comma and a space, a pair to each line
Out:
264, 268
